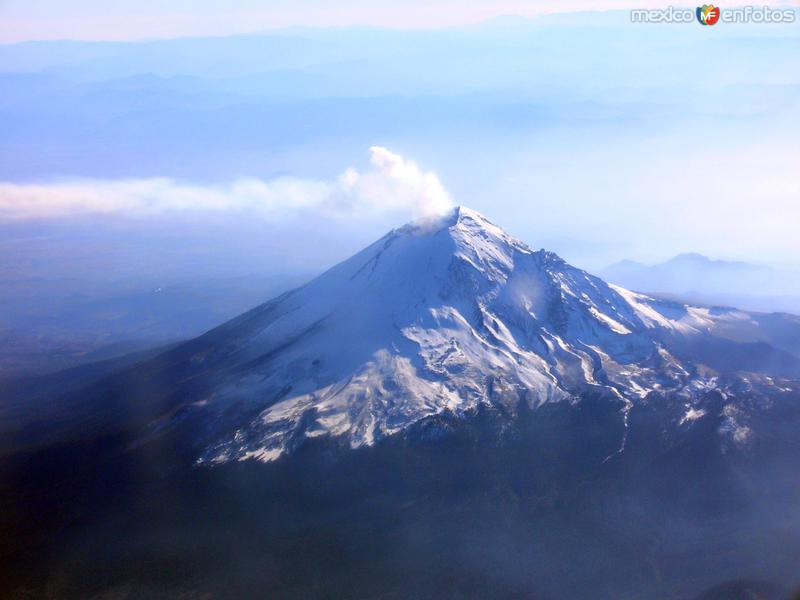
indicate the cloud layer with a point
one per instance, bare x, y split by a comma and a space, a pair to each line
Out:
391, 184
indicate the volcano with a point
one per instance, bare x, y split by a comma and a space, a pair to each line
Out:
456, 414
441, 317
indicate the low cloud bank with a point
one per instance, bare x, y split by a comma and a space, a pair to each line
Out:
392, 183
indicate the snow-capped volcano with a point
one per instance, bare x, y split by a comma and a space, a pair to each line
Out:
488, 388
439, 317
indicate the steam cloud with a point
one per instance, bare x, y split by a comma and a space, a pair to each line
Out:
392, 183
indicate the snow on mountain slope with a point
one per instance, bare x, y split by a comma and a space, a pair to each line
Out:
440, 316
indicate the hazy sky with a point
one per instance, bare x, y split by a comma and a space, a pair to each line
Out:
582, 133
22, 20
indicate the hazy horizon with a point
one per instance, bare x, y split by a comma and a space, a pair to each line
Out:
158, 162
147, 19
555, 125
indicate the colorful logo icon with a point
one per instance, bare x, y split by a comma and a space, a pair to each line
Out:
708, 14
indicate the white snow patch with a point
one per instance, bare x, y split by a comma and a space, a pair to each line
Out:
615, 326
692, 415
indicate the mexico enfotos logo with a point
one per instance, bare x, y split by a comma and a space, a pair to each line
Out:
709, 14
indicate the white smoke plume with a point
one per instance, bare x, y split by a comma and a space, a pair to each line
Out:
392, 183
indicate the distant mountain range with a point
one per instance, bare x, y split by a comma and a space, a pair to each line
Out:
696, 278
